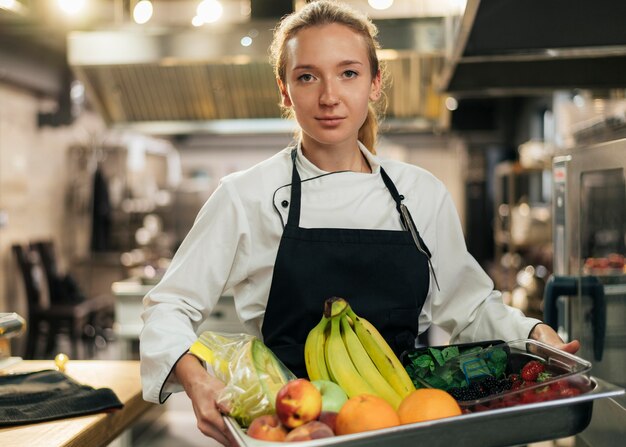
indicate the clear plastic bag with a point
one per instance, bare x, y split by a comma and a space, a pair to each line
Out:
252, 373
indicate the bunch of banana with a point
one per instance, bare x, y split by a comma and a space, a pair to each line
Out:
348, 350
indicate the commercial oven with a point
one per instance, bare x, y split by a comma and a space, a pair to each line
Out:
586, 297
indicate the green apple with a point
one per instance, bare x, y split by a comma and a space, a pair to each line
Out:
333, 396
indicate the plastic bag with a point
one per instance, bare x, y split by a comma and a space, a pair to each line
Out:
252, 373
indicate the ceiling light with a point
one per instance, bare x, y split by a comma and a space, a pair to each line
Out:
197, 21
8, 4
210, 10
246, 41
71, 7
451, 103
380, 4
459, 6
142, 12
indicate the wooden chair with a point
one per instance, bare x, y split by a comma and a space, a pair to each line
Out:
47, 313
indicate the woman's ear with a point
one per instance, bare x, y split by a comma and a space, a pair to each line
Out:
376, 88
283, 93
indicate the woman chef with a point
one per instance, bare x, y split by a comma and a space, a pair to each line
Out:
323, 218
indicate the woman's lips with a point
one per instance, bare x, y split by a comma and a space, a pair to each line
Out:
330, 121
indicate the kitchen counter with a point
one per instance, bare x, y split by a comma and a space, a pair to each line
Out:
92, 430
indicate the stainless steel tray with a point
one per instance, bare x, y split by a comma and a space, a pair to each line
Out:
494, 428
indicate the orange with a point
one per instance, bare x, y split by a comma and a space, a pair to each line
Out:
365, 412
425, 404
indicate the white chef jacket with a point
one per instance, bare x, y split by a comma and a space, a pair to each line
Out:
234, 241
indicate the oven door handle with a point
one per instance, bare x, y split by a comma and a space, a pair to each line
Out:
567, 286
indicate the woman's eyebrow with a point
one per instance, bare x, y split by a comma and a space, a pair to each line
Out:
303, 67
350, 62
340, 64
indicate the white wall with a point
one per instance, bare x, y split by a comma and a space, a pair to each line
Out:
444, 156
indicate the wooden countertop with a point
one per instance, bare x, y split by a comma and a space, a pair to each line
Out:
93, 430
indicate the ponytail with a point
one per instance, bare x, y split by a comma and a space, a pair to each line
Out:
369, 130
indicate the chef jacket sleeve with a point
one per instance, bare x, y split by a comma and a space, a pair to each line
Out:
467, 306
212, 258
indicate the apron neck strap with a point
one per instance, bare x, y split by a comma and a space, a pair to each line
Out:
392, 189
294, 207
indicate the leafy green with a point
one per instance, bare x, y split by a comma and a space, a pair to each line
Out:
425, 361
436, 382
497, 361
450, 367
437, 356
450, 352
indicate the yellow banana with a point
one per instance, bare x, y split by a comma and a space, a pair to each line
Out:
382, 355
365, 366
340, 366
314, 355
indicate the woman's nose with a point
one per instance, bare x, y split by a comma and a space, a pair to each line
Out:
329, 94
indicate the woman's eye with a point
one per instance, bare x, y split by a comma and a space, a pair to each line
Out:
306, 77
350, 74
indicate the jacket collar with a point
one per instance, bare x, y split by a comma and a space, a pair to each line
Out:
308, 169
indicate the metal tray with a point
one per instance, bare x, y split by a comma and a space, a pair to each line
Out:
502, 427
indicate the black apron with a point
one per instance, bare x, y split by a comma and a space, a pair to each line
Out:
381, 273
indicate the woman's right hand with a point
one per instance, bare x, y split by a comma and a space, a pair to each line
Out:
203, 389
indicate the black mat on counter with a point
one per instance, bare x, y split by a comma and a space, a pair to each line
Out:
46, 395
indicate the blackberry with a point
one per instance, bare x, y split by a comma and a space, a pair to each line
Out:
489, 382
465, 393
501, 385
456, 392
490, 385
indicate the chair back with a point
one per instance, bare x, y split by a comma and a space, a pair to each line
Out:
32, 276
45, 250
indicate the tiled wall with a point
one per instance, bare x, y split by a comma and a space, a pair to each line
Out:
32, 180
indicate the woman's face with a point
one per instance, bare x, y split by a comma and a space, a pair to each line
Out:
328, 84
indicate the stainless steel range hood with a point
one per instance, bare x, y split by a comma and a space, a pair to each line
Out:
184, 81
513, 46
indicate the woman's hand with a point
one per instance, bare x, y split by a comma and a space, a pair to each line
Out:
545, 334
202, 389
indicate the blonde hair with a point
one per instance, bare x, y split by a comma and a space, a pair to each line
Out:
325, 12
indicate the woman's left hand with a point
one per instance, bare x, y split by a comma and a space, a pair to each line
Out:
545, 334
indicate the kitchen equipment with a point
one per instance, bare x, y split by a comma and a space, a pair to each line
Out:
11, 325
495, 428
515, 47
475, 362
499, 426
586, 297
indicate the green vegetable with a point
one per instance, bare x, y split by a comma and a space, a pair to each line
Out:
425, 361
449, 367
497, 360
450, 352
437, 356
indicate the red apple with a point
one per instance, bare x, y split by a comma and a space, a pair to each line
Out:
308, 431
298, 402
267, 428
329, 418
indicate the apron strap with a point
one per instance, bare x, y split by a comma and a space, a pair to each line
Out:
392, 189
405, 215
293, 220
